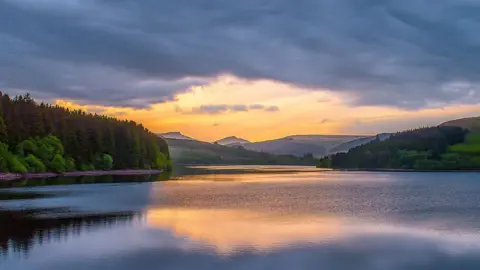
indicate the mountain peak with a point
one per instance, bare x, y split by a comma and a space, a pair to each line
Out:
175, 135
231, 140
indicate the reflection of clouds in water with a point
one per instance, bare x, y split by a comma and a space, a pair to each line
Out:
230, 230
362, 252
263, 221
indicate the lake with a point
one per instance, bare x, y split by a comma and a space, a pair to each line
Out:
243, 217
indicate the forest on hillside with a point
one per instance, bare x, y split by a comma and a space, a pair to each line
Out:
195, 152
432, 148
39, 137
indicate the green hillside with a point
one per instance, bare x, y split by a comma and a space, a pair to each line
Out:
434, 148
195, 152
37, 137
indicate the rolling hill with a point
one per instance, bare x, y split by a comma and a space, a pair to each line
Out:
344, 147
471, 123
445, 147
299, 145
185, 149
196, 152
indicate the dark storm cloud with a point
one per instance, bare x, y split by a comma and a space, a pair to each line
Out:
407, 53
223, 108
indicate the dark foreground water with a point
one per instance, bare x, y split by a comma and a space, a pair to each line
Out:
231, 219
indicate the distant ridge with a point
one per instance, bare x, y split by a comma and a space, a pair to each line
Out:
175, 135
197, 152
299, 145
231, 141
345, 147
471, 123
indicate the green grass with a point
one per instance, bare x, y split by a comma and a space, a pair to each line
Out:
470, 146
473, 138
465, 148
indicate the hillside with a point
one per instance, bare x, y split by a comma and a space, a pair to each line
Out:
41, 138
299, 145
472, 123
232, 140
344, 147
434, 148
195, 152
175, 135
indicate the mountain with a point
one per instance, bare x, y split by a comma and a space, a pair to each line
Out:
232, 140
299, 145
196, 152
175, 135
472, 123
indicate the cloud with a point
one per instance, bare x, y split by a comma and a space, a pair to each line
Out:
96, 110
396, 251
238, 108
272, 109
324, 100
136, 53
257, 107
210, 109
223, 108
325, 121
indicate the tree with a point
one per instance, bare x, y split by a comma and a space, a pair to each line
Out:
26, 147
104, 162
58, 164
49, 131
160, 162
15, 165
70, 164
3, 131
433, 148
35, 164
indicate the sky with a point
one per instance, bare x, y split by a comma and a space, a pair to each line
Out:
256, 69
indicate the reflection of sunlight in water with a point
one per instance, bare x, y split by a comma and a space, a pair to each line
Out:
271, 177
230, 230
259, 168
276, 176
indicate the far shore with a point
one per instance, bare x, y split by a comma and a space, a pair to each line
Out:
17, 176
401, 170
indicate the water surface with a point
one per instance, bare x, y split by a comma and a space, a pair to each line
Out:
244, 218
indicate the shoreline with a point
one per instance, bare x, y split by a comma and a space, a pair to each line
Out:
402, 170
18, 176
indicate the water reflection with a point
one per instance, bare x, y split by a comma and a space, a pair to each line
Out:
229, 230
22, 230
103, 179
269, 220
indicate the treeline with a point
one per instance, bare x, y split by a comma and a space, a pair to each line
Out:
195, 152
42, 137
433, 148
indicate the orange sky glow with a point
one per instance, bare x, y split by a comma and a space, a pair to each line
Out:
300, 111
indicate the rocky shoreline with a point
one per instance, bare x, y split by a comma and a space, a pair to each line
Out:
17, 176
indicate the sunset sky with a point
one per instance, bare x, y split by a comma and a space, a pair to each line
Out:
254, 69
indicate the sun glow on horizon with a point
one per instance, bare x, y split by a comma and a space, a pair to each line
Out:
231, 106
